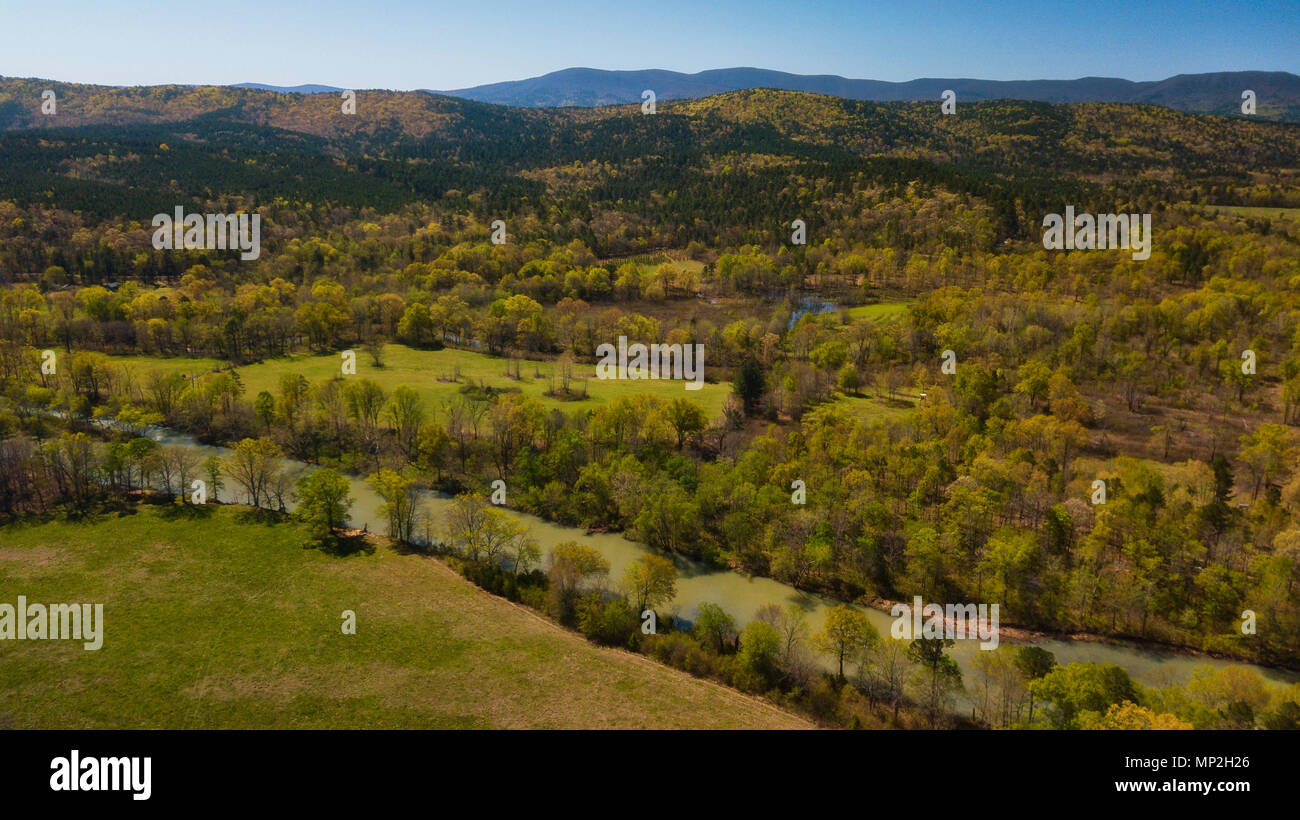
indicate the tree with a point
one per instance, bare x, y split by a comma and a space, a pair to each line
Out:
432, 450
999, 688
264, 406
749, 385
75, 461
1133, 375
846, 635
293, 392
1234, 377
1264, 452
1130, 716
365, 401
213, 467
323, 500
1077, 688
480, 531
889, 666
252, 464
1033, 662
399, 505
135, 420
612, 622
572, 566
1035, 378
939, 674
405, 412
1008, 557
714, 626
177, 466
513, 422
849, 379
1235, 693
649, 581
564, 367
129, 459
760, 648
1285, 717
280, 489
667, 519
375, 347
829, 356
416, 325
792, 625
164, 390
686, 417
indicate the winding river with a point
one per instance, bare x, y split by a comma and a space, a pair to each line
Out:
742, 596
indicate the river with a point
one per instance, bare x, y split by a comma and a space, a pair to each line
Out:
742, 596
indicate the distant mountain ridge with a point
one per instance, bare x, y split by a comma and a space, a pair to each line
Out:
290, 89
1277, 92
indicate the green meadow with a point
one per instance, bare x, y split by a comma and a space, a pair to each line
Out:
221, 620
438, 375
1253, 211
878, 311
869, 407
141, 365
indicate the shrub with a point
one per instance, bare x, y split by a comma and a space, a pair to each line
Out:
612, 622
699, 662
671, 648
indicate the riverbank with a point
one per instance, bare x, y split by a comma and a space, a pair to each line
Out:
1023, 634
742, 595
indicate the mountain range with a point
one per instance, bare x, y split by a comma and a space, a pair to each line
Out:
1277, 92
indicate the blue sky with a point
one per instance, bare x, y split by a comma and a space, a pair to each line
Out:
406, 44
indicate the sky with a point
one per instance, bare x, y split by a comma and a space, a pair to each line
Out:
407, 44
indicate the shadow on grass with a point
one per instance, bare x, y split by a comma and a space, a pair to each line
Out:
343, 545
257, 515
405, 548
192, 512
898, 404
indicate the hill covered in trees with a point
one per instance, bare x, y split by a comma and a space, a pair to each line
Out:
729, 167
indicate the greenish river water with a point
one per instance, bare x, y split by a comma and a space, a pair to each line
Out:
742, 596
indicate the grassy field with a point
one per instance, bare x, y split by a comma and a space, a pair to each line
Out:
880, 310
1271, 213
431, 374
232, 623
140, 365
870, 407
